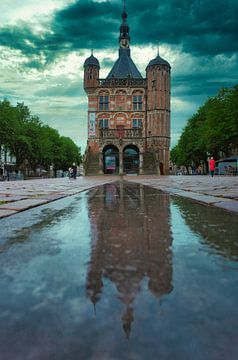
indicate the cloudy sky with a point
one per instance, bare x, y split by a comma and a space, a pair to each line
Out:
43, 45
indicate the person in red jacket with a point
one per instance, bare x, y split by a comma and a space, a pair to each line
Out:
212, 166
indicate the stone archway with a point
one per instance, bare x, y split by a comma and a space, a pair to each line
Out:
131, 159
110, 159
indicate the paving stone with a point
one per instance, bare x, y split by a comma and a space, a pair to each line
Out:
51, 197
12, 198
7, 212
23, 204
230, 206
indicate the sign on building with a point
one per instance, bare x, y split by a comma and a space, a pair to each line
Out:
92, 124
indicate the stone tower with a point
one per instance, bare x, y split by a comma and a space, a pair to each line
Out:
158, 109
128, 115
91, 72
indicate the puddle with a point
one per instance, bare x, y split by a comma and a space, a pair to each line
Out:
122, 271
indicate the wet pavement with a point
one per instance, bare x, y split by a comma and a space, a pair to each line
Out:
121, 271
220, 191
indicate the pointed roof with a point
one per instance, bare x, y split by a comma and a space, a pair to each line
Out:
91, 61
124, 66
158, 61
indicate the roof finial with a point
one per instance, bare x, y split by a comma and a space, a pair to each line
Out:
92, 48
157, 47
124, 15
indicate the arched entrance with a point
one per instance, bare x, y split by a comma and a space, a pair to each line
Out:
131, 159
111, 160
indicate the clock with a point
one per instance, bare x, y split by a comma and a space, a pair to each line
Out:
124, 43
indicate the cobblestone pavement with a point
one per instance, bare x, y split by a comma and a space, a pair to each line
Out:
17, 196
220, 191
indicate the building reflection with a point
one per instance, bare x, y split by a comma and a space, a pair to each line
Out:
131, 242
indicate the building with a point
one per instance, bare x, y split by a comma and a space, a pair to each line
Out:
128, 115
7, 163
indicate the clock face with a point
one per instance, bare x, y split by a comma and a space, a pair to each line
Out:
124, 43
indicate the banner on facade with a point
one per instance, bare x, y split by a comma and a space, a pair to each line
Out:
92, 124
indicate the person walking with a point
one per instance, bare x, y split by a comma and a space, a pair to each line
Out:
212, 166
74, 171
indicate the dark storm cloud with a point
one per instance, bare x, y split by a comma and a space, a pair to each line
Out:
201, 27
85, 21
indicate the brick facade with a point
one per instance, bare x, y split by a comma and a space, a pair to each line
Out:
128, 111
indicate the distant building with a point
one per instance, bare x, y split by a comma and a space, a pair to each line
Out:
128, 115
7, 161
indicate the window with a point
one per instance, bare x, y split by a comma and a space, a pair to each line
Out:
103, 123
103, 102
137, 123
137, 102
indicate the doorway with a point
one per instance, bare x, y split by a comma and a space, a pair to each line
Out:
111, 160
131, 159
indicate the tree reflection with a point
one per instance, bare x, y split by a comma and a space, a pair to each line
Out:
217, 227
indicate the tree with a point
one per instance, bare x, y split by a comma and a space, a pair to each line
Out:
213, 129
33, 142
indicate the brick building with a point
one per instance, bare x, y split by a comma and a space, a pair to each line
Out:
128, 115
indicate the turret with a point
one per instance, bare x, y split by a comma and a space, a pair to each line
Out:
91, 72
158, 84
158, 109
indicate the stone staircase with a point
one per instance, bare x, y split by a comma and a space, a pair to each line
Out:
92, 167
149, 167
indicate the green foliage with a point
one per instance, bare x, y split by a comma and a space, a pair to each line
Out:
33, 142
213, 129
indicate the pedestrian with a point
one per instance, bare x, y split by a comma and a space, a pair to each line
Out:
212, 166
70, 172
74, 171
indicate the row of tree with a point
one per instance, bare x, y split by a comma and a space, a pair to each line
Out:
32, 142
212, 131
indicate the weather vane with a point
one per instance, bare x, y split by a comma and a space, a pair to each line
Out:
92, 47
157, 46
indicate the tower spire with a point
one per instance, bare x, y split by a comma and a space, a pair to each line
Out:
92, 48
124, 38
157, 47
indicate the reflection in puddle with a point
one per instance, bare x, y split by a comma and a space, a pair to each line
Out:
216, 228
119, 272
131, 241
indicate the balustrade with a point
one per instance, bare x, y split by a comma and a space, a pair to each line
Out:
120, 133
113, 82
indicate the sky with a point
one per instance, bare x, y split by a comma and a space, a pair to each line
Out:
43, 46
